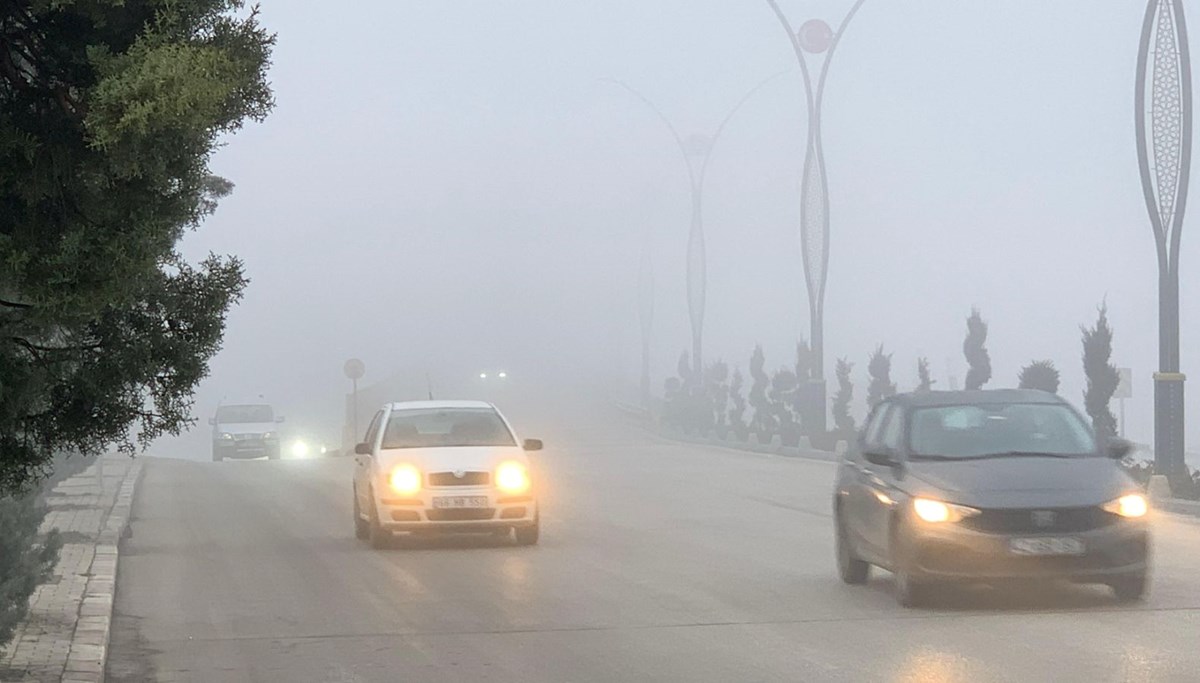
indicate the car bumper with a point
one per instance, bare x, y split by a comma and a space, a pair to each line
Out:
953, 553
420, 514
246, 451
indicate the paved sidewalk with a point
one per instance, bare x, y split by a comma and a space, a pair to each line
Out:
65, 636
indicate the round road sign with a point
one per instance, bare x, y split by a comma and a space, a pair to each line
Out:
815, 36
354, 368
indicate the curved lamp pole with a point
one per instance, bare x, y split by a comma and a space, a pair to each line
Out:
815, 37
701, 147
1164, 145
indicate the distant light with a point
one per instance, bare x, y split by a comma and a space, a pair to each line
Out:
483, 375
503, 375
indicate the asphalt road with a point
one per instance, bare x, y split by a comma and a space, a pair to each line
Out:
658, 562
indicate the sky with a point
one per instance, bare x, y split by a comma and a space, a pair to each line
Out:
445, 188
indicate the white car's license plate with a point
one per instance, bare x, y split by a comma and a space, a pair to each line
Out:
452, 502
1046, 546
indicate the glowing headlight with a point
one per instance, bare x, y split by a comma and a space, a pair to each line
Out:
226, 436
936, 512
405, 480
269, 436
1132, 505
512, 477
300, 449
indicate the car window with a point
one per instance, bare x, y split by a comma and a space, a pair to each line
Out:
967, 431
247, 414
426, 428
893, 430
874, 427
373, 428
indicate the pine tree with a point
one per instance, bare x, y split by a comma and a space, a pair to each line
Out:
843, 422
925, 382
975, 349
1041, 375
880, 370
1102, 375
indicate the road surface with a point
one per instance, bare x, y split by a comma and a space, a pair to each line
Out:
659, 561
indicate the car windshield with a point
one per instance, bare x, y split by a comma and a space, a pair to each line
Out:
446, 428
973, 431
245, 414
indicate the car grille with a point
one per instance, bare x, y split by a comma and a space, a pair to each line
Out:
1039, 520
468, 479
247, 437
459, 514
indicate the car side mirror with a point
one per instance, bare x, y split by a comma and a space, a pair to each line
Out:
362, 449
533, 444
1118, 448
880, 456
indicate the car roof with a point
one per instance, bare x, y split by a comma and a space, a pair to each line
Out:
440, 405
930, 399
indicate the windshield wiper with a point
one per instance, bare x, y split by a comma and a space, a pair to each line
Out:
1020, 454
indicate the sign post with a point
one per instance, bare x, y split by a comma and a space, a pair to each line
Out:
354, 370
1124, 391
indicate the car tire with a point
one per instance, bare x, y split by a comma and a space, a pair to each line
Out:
1131, 588
528, 535
852, 570
361, 527
217, 457
910, 591
377, 536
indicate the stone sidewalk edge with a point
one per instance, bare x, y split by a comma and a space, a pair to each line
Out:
89, 644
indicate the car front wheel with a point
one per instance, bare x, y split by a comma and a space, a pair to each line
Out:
851, 569
361, 527
377, 536
1130, 588
528, 535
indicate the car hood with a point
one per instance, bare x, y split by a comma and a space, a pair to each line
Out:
247, 427
467, 458
1021, 482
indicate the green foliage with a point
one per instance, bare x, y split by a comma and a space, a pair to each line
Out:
924, 381
880, 370
716, 391
25, 560
763, 420
109, 112
1102, 375
1041, 375
843, 422
975, 349
737, 403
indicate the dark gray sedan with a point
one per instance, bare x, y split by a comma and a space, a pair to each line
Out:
988, 486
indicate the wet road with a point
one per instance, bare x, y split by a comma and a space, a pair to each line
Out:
658, 561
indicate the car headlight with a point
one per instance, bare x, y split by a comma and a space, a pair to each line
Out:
512, 477
405, 480
300, 449
937, 512
1132, 505
226, 436
269, 436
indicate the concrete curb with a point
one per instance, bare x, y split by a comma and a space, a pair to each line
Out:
751, 446
66, 633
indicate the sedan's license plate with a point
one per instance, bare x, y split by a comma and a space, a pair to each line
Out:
1046, 546
452, 502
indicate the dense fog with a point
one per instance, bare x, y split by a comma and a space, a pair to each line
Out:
454, 188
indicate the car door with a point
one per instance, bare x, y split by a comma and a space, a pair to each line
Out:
363, 464
858, 489
880, 481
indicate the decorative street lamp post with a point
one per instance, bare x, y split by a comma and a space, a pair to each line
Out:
1164, 144
696, 149
815, 37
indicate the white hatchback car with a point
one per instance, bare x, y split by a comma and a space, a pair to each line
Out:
443, 467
